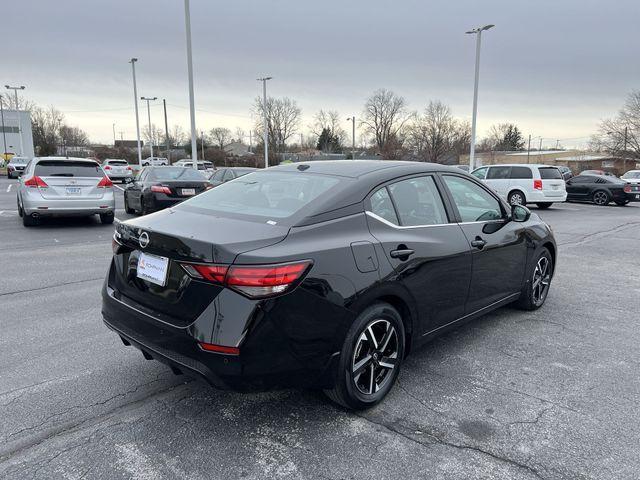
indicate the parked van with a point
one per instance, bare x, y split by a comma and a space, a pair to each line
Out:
522, 184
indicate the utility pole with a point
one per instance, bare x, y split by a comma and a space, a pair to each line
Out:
121, 135
15, 91
624, 150
202, 144
4, 135
135, 100
540, 150
113, 125
353, 137
265, 122
529, 148
472, 152
250, 141
300, 140
192, 109
149, 99
166, 129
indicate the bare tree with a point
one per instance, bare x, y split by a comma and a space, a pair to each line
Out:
155, 135
431, 135
177, 135
220, 136
73, 136
384, 116
240, 134
46, 124
283, 118
328, 121
620, 136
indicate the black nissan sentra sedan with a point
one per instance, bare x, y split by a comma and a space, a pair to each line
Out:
321, 275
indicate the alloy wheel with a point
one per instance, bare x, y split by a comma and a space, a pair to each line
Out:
541, 280
375, 356
516, 199
600, 198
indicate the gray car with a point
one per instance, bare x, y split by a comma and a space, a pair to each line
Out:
117, 169
16, 166
61, 187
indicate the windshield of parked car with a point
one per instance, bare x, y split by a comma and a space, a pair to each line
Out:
66, 168
264, 194
165, 174
632, 174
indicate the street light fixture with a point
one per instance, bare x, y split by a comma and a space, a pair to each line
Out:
135, 102
353, 137
478, 33
264, 116
15, 91
149, 99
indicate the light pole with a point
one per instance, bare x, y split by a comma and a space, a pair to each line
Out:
192, 110
149, 99
4, 135
202, 144
166, 129
478, 32
264, 120
113, 125
15, 91
353, 137
135, 102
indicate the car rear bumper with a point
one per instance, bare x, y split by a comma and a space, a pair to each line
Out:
33, 202
547, 196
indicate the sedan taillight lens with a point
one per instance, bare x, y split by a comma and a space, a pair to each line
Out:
35, 182
160, 189
627, 188
105, 183
253, 281
107, 168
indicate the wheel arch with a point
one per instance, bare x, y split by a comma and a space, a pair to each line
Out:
552, 250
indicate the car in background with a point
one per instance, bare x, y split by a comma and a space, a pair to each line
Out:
156, 188
117, 169
566, 172
16, 166
601, 190
225, 174
202, 164
632, 176
463, 166
597, 172
155, 161
522, 184
322, 275
63, 187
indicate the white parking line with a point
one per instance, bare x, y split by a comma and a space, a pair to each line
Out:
119, 187
9, 187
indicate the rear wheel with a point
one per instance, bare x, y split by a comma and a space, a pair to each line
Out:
370, 358
536, 289
600, 197
29, 221
143, 207
544, 206
516, 198
107, 218
621, 203
127, 208
20, 211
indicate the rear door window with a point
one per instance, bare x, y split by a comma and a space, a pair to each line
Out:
521, 173
418, 202
228, 175
498, 173
382, 206
550, 173
65, 168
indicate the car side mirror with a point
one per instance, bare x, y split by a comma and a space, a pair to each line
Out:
520, 213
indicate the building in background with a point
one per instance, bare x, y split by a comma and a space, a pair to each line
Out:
16, 131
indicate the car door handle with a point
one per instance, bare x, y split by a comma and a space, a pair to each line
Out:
478, 243
401, 253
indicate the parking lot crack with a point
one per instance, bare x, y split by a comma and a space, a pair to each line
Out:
64, 284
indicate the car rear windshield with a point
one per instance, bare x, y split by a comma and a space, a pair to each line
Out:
550, 173
265, 195
117, 162
65, 168
176, 173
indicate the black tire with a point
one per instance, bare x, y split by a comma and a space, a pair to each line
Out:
601, 198
29, 221
143, 208
622, 203
531, 298
127, 208
107, 218
20, 211
517, 198
381, 363
544, 206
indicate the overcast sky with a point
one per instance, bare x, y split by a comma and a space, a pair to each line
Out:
554, 67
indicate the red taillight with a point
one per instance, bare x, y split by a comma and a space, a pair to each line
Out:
105, 183
160, 189
210, 347
254, 281
35, 182
537, 184
627, 188
129, 168
107, 167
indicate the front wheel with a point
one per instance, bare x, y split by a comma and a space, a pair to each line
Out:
544, 206
516, 198
536, 289
370, 359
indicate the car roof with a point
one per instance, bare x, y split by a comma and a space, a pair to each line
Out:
70, 159
359, 168
532, 165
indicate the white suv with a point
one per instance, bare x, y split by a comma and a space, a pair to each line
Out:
155, 162
522, 184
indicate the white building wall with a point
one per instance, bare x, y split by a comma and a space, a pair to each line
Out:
17, 124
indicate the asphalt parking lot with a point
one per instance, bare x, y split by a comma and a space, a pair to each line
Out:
515, 395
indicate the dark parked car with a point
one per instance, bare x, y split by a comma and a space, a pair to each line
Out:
156, 188
566, 172
601, 190
222, 175
597, 172
322, 275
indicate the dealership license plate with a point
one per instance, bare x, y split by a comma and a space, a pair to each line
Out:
638, 197
188, 191
73, 190
153, 268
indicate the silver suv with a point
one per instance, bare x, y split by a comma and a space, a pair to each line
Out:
16, 166
59, 186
